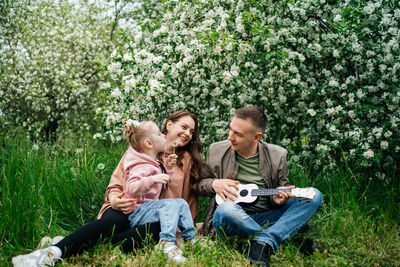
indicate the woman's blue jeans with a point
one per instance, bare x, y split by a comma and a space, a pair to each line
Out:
170, 212
270, 227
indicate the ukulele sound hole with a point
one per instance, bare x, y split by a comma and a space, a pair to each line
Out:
243, 193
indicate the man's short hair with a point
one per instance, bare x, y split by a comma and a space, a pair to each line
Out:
254, 113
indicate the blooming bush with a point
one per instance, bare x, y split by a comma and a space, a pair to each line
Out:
325, 72
48, 75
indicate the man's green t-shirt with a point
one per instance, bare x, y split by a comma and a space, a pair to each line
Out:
248, 174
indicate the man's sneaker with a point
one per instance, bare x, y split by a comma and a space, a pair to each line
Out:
259, 254
39, 258
172, 251
308, 246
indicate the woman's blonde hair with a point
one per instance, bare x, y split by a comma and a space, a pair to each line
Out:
136, 134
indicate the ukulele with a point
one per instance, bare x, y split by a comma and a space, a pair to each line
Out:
248, 193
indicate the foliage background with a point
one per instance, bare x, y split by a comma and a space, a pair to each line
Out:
50, 53
326, 73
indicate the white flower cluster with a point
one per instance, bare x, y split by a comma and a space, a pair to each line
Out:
326, 75
48, 53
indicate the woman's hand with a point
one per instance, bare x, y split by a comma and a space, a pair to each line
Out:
162, 178
118, 203
171, 160
226, 188
283, 196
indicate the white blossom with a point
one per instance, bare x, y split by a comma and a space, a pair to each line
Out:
127, 57
227, 76
384, 145
115, 67
116, 93
369, 9
311, 112
368, 154
97, 136
337, 18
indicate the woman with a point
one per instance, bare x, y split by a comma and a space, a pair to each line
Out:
182, 134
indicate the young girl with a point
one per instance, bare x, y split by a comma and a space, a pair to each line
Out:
144, 179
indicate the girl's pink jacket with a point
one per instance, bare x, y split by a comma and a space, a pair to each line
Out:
178, 186
138, 171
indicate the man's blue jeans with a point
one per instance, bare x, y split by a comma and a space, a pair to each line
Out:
272, 226
171, 213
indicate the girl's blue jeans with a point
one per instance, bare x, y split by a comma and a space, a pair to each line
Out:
170, 212
270, 227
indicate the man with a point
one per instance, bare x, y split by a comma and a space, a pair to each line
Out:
244, 158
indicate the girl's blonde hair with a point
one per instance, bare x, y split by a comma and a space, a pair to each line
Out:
136, 134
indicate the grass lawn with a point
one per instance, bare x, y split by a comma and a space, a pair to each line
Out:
53, 189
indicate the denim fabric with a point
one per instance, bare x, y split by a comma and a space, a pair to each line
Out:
170, 212
272, 226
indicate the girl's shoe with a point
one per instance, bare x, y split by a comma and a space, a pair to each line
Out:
45, 242
172, 251
202, 241
39, 258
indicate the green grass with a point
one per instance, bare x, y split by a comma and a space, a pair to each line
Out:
54, 190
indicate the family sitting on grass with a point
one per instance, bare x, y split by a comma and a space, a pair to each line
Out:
155, 188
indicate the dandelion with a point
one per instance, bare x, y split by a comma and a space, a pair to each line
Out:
78, 150
100, 166
35, 147
174, 144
